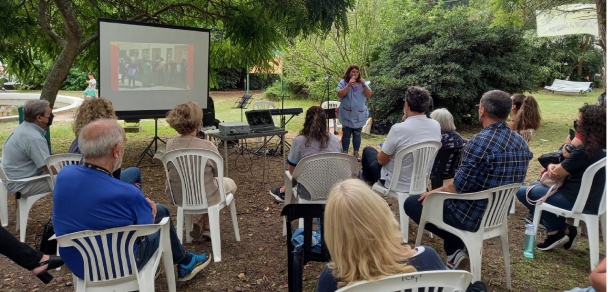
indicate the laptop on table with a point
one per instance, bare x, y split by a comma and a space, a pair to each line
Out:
261, 121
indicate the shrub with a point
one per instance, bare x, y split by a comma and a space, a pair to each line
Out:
455, 57
76, 80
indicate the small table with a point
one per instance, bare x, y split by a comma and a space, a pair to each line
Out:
278, 132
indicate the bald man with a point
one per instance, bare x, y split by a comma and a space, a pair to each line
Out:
87, 197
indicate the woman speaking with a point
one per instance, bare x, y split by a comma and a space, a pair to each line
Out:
353, 92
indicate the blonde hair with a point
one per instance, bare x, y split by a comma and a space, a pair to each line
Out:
91, 110
445, 119
185, 118
362, 235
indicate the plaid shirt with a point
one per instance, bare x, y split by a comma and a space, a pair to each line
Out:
494, 157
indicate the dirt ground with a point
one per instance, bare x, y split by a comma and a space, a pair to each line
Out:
258, 262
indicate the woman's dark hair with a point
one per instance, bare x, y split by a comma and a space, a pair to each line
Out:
347, 75
528, 114
592, 128
315, 126
518, 100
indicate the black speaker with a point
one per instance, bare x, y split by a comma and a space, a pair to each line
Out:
208, 113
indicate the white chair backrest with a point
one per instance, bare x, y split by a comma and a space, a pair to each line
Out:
585, 188
190, 165
432, 281
108, 255
263, 104
319, 173
58, 161
498, 203
3, 176
423, 154
330, 104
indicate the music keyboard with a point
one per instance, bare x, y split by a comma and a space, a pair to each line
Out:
286, 111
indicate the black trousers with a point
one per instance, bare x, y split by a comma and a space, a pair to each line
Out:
18, 252
371, 169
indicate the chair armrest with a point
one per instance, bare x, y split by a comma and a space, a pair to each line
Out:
288, 188
53, 237
27, 179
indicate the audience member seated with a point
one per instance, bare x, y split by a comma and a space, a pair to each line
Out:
187, 119
416, 127
366, 247
449, 137
313, 139
524, 115
26, 149
494, 157
592, 128
94, 109
27, 257
577, 140
87, 197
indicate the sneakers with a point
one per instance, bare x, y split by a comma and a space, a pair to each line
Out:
277, 195
198, 262
198, 233
552, 241
572, 237
457, 260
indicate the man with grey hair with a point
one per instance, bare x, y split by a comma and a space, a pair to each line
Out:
87, 197
494, 157
25, 151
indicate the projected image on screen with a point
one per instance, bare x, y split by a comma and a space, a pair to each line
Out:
152, 66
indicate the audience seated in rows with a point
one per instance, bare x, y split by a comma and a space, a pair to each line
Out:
366, 247
494, 157
591, 125
187, 119
87, 197
416, 127
95, 109
313, 139
524, 115
449, 137
25, 151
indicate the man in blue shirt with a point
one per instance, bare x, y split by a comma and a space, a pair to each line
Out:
87, 197
494, 157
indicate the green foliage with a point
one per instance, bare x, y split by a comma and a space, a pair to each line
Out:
76, 80
455, 57
289, 91
309, 61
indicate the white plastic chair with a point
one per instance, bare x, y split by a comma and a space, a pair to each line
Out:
432, 281
56, 162
24, 204
103, 273
318, 174
334, 123
190, 165
493, 223
591, 220
423, 154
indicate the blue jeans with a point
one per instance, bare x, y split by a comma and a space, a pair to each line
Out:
452, 243
549, 220
149, 244
131, 175
347, 134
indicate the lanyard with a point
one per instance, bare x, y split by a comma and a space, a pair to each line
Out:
95, 167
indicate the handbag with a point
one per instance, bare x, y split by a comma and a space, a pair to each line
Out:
546, 181
554, 157
46, 246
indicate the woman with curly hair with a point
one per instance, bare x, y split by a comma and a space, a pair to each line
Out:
591, 124
353, 92
187, 119
95, 109
313, 139
525, 116
366, 247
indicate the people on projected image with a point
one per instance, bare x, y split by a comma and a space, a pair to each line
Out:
160, 72
132, 72
147, 70
172, 72
122, 70
152, 73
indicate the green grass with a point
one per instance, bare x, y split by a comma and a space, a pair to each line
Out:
550, 271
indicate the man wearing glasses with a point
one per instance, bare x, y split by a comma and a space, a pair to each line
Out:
26, 149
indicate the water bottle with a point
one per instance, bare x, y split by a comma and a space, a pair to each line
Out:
530, 238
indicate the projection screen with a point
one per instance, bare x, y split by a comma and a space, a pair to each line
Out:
146, 69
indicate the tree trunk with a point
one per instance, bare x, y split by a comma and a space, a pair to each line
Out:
601, 24
59, 71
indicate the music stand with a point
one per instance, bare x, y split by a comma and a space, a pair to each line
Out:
242, 103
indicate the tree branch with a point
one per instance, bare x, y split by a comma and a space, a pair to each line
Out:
45, 25
88, 42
